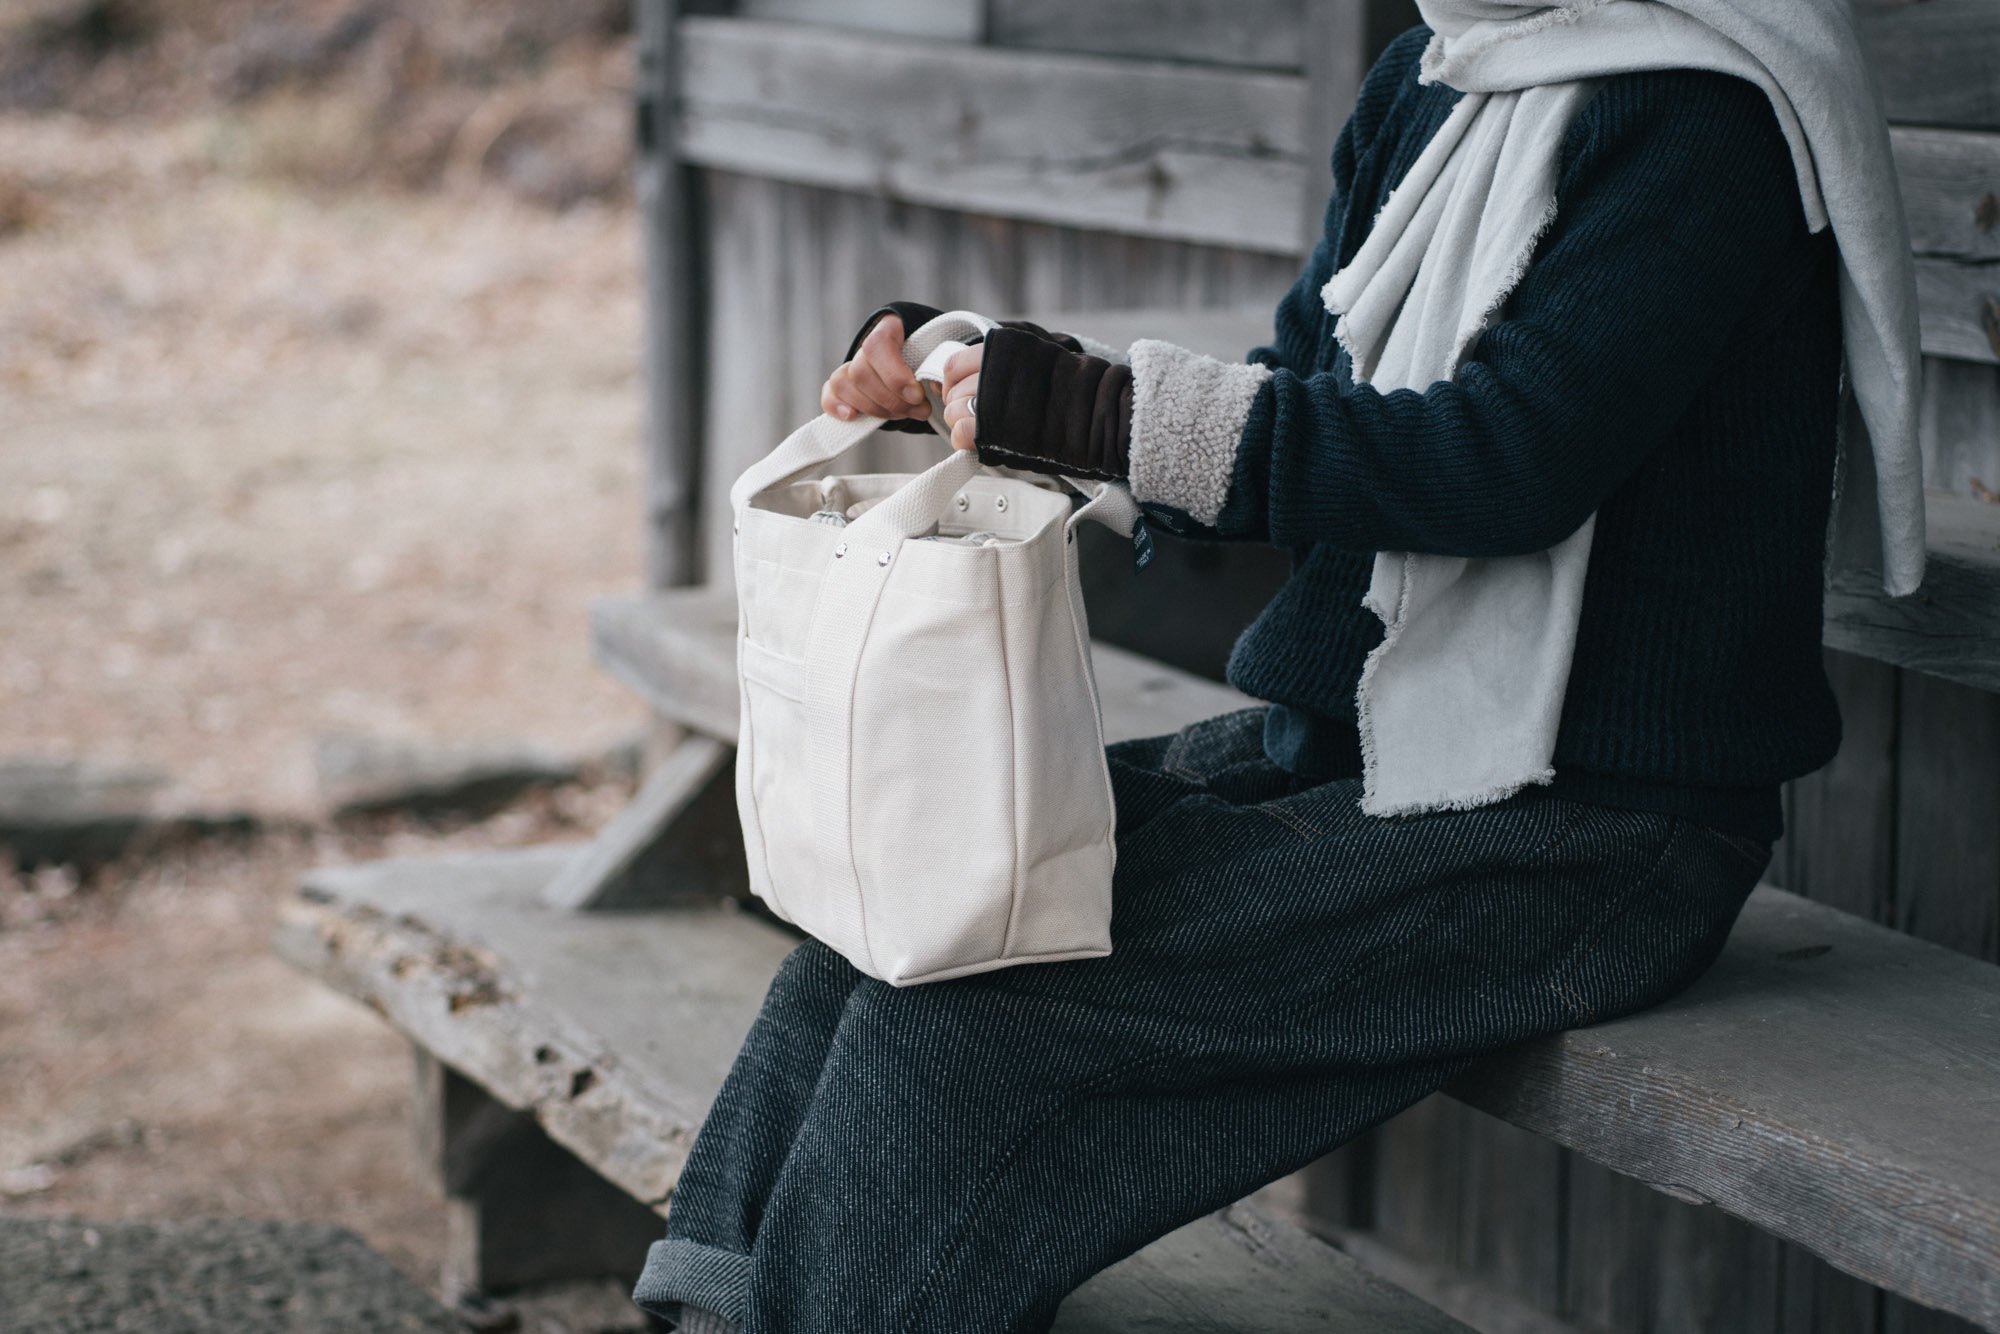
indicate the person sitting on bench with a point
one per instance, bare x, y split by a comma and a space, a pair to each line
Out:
1549, 425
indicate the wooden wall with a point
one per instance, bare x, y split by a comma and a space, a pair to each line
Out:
1131, 154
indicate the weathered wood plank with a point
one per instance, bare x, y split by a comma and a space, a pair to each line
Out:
1960, 427
800, 358
1643, 1262
1829, 1081
1226, 333
1147, 148
1713, 1274
678, 651
1253, 1274
1334, 42
1816, 1298
1950, 183
1610, 1252
615, 1031
679, 655
1959, 306
1951, 190
1342, 39
1157, 149
461, 956
1936, 62
751, 308
1840, 842
1418, 1161
1951, 626
1511, 1210
1258, 33
848, 289
1948, 818
519, 1209
1901, 1316
1487, 1308
946, 20
669, 206
678, 838
1337, 1191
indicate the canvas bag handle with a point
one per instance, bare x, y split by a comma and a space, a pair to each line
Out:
914, 507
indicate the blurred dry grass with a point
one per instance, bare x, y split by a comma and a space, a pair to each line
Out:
286, 458
319, 414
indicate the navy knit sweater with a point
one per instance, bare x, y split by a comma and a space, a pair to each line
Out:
1669, 362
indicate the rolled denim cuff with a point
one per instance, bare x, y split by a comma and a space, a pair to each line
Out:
679, 1271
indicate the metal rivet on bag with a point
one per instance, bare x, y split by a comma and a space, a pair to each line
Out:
840, 551
882, 559
1000, 502
963, 502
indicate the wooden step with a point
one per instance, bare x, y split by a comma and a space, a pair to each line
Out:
678, 651
614, 1030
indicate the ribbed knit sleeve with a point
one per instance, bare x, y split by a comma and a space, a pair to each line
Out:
1677, 194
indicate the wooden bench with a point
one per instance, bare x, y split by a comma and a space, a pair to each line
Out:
611, 1032
1833, 1082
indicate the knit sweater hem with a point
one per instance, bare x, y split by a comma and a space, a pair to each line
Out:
1324, 749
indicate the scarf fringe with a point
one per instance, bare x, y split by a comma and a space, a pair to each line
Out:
1517, 269
1470, 801
1364, 712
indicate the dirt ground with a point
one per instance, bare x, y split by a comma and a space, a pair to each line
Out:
281, 465
282, 461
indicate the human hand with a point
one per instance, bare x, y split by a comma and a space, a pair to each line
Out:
876, 383
961, 386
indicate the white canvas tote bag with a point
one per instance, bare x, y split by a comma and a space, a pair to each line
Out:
920, 768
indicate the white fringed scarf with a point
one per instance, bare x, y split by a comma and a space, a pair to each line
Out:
1459, 705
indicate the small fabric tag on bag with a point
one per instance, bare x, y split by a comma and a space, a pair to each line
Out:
1142, 546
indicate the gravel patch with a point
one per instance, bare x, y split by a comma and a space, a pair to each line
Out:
203, 1277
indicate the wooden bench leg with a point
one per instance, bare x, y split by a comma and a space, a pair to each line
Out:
679, 840
521, 1208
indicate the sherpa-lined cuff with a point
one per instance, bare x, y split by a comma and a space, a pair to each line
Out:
681, 1271
1188, 414
1045, 408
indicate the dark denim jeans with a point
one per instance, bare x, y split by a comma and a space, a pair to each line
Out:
1286, 972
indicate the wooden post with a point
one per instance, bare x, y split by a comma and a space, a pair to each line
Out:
678, 841
1335, 34
1341, 40
669, 218
521, 1208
